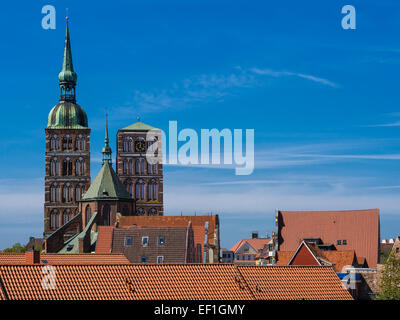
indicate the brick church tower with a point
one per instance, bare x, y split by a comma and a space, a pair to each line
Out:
67, 151
143, 180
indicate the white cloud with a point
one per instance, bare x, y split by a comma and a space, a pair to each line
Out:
273, 73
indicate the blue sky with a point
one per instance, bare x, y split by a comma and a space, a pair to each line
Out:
323, 101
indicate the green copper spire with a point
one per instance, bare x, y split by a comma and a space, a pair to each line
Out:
106, 149
67, 77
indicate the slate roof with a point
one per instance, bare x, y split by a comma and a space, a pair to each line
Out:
173, 282
106, 186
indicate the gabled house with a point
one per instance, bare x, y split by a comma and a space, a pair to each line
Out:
246, 251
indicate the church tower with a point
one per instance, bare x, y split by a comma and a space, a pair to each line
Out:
67, 160
143, 180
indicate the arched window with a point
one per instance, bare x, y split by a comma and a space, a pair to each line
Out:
80, 188
54, 167
67, 192
54, 219
139, 166
129, 186
128, 166
152, 190
106, 215
80, 167
151, 168
54, 143
88, 213
80, 143
67, 142
140, 212
54, 193
128, 144
153, 212
67, 167
140, 190
67, 215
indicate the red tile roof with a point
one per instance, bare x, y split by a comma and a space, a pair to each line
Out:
360, 228
257, 243
172, 221
65, 258
173, 281
104, 239
294, 283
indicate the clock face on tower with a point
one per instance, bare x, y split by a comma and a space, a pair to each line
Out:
139, 146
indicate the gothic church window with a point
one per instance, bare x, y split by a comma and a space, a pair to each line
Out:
54, 167
128, 144
80, 167
67, 142
54, 143
67, 167
140, 212
140, 190
54, 193
88, 213
67, 215
153, 212
67, 192
80, 188
152, 192
139, 166
54, 219
80, 143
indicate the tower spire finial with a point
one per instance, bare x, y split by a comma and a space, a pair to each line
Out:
67, 77
107, 153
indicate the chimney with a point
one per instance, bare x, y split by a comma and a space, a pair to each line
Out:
32, 257
254, 235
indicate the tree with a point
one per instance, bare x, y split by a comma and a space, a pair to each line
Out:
17, 247
390, 281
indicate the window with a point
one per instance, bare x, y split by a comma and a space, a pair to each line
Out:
128, 144
54, 193
160, 259
143, 260
80, 188
88, 213
152, 192
140, 190
397, 250
140, 212
54, 167
339, 242
80, 143
246, 249
128, 241
139, 166
67, 167
67, 142
145, 241
129, 186
54, 143
153, 212
67, 192
80, 167
106, 215
67, 215
54, 219
344, 242
161, 241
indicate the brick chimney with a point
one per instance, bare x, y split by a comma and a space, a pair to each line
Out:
32, 257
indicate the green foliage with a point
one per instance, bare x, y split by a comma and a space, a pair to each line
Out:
17, 247
390, 281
